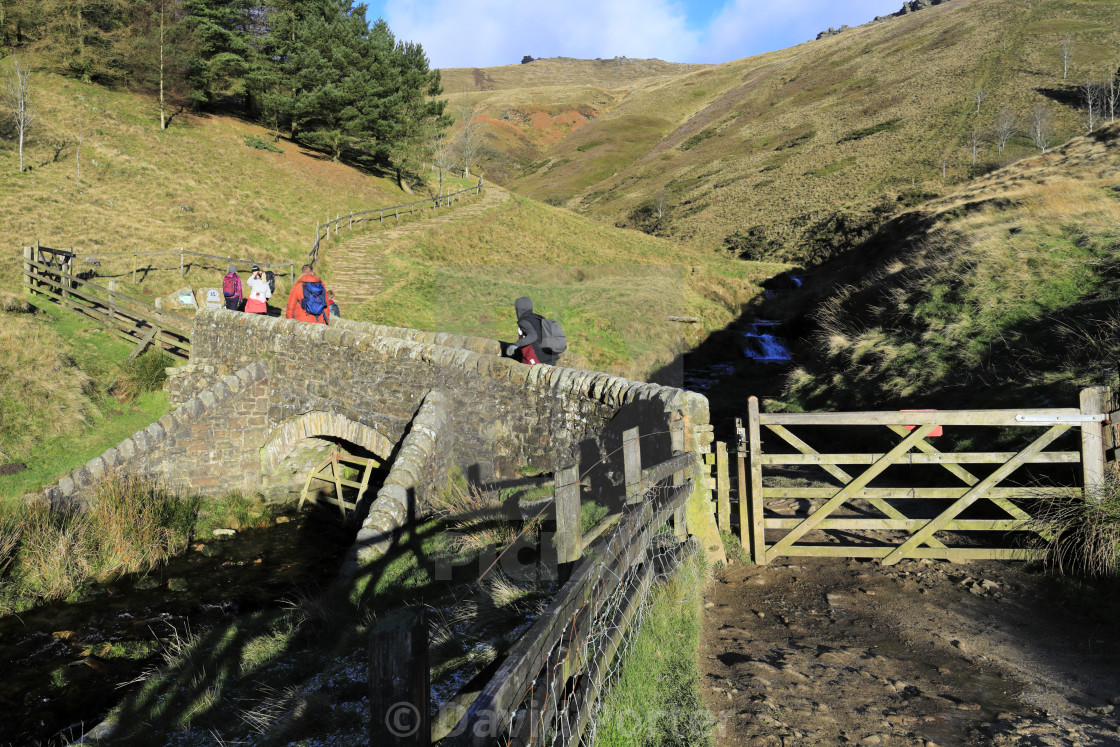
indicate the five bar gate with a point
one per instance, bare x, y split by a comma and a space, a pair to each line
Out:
868, 514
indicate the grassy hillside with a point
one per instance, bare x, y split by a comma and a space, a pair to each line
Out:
1005, 291
196, 185
612, 289
797, 151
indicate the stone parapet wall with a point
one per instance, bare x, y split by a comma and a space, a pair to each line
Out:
207, 446
505, 415
420, 469
481, 345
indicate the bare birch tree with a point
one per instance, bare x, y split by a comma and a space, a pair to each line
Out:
981, 94
441, 157
1067, 54
1112, 94
162, 107
18, 90
469, 140
1040, 127
975, 140
1005, 129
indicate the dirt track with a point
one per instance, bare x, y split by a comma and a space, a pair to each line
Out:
921, 653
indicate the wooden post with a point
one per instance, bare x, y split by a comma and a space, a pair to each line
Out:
676, 445
1093, 402
569, 538
180, 261
65, 277
754, 497
1110, 434
397, 213
381, 216
398, 680
723, 488
632, 465
351, 226
112, 286
27, 268
741, 472
134, 260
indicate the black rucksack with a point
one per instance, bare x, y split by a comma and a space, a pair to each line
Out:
270, 276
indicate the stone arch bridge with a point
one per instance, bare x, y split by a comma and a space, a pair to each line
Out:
262, 399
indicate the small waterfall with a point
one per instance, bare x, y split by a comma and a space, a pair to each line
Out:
763, 345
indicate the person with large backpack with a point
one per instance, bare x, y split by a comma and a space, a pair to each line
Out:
231, 288
308, 300
539, 340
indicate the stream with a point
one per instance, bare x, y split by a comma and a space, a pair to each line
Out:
65, 664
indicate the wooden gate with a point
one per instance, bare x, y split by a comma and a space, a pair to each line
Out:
885, 520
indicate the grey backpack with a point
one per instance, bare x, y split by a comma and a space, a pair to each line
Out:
553, 339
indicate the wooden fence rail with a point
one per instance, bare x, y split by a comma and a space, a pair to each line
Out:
903, 508
50, 272
334, 226
610, 573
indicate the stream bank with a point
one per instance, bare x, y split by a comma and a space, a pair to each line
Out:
63, 665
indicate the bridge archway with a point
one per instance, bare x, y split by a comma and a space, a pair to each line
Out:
299, 444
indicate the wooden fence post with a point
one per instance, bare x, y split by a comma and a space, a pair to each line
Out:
632, 465
397, 213
1093, 402
28, 269
134, 261
741, 473
112, 286
398, 680
758, 531
66, 273
180, 261
569, 538
723, 488
676, 445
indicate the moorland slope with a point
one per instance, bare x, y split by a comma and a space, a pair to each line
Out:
798, 153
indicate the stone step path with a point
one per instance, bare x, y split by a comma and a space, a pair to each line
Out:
355, 263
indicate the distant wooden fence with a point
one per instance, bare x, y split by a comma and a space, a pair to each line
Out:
332, 227
879, 512
93, 261
50, 272
546, 689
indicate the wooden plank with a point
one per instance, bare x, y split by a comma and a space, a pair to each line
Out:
114, 325
885, 508
589, 586
754, 497
399, 674
906, 525
632, 465
1093, 402
943, 417
569, 546
741, 473
857, 484
903, 493
143, 343
932, 553
723, 488
99, 300
975, 493
1050, 457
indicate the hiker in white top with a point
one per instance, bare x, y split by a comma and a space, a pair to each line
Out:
259, 293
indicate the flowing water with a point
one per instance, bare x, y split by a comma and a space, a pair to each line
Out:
65, 664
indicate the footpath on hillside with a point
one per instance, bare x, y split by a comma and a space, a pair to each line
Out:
836, 651
355, 262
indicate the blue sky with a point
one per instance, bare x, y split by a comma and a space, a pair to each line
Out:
483, 33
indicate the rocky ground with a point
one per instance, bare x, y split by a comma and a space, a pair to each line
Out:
834, 651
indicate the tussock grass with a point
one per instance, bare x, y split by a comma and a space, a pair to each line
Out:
1004, 287
132, 526
1085, 531
656, 699
477, 518
142, 374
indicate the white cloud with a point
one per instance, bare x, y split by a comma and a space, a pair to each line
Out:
483, 33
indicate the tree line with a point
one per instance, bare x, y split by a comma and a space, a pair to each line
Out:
313, 70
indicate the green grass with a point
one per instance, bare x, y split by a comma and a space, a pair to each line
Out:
656, 700
60, 406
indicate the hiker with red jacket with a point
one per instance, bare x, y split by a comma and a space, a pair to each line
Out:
308, 300
231, 288
530, 335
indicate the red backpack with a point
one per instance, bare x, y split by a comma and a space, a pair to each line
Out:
230, 285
